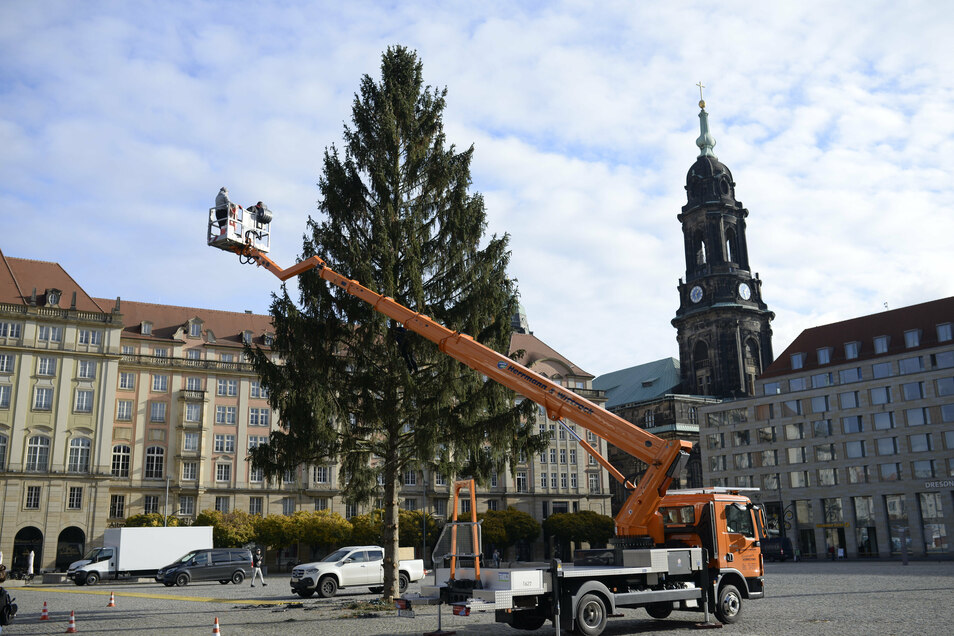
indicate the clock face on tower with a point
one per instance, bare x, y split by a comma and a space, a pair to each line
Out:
744, 291
695, 294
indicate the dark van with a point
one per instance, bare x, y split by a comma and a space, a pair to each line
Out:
777, 548
218, 564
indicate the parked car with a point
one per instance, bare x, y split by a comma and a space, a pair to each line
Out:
218, 564
777, 548
353, 566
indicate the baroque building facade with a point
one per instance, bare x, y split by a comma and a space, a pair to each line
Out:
850, 440
111, 408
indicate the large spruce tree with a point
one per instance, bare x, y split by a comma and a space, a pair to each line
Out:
395, 215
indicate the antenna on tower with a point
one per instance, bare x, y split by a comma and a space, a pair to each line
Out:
886, 305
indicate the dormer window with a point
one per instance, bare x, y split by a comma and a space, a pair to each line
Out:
881, 344
146, 328
824, 355
269, 340
247, 337
798, 361
53, 297
912, 338
852, 349
195, 329
209, 336
944, 332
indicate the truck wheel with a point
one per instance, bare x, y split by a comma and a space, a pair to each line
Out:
403, 582
327, 587
182, 580
527, 620
591, 615
729, 607
92, 578
77, 581
659, 610
306, 593
238, 576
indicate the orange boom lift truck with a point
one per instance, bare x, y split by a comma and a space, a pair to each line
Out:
692, 550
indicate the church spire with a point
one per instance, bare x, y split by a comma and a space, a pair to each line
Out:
706, 141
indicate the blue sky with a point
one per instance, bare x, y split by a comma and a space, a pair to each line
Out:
119, 121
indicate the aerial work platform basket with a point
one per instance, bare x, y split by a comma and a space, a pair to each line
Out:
239, 227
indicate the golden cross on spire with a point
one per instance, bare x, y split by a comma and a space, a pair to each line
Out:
702, 102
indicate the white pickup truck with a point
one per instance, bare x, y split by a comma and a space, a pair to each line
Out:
353, 566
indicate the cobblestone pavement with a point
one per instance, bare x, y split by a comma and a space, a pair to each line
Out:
817, 598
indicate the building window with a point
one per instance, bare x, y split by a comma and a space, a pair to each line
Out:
858, 474
195, 329
186, 505
848, 400
10, 329
799, 479
912, 391
38, 453
822, 428
124, 410
157, 411
881, 344
32, 498
6, 363
932, 517
150, 504
911, 365
794, 431
227, 388
890, 472
190, 442
256, 505
145, 327
193, 383
945, 386
820, 404
190, 471
46, 366
225, 415
222, 504
50, 334
881, 395
160, 383
224, 444
127, 381
86, 369
521, 482
943, 332
79, 455
918, 416
771, 388
155, 462
83, 401
223, 472
594, 483
117, 506
258, 417
193, 354
855, 449
825, 453
74, 501
797, 455
821, 380
852, 349
5, 391
887, 445
852, 424
824, 355
120, 467
847, 376
798, 361
649, 419
258, 391
351, 510
128, 350
920, 443
193, 413
797, 384
912, 338
3, 452
256, 475
881, 370
321, 474
923, 469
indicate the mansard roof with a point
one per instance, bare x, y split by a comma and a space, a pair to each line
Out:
19, 277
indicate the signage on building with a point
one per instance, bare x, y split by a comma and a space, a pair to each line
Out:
944, 483
843, 524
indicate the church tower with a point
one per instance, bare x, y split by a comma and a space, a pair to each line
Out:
723, 327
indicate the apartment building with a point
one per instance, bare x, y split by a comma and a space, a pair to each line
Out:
850, 439
110, 408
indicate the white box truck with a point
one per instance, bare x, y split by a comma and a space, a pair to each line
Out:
137, 552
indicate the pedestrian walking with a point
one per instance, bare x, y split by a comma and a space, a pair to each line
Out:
257, 567
29, 570
496, 558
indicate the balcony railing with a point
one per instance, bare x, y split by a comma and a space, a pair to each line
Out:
185, 363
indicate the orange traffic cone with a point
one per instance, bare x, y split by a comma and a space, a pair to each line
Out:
72, 628
215, 627
44, 615
112, 600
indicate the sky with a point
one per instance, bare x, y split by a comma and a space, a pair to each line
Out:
119, 122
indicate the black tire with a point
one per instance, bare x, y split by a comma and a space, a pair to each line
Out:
659, 611
527, 620
403, 581
327, 587
306, 593
376, 590
182, 580
238, 576
590, 615
225, 582
729, 608
168, 584
77, 581
92, 578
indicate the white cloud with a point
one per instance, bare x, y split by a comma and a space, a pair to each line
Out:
120, 121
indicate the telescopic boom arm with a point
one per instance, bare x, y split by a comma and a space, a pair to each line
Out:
639, 515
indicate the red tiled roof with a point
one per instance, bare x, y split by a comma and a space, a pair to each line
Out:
864, 329
228, 326
20, 276
535, 350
